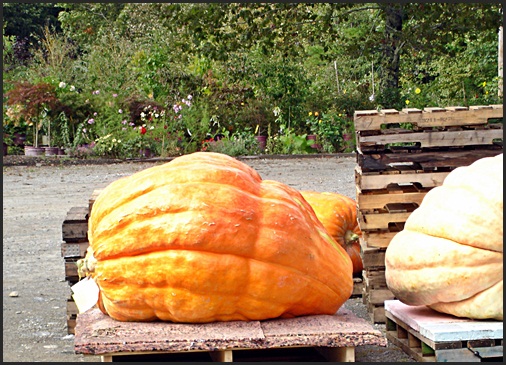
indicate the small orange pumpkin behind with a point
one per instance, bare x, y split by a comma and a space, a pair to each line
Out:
338, 214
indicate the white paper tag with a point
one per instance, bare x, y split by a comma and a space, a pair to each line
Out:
85, 294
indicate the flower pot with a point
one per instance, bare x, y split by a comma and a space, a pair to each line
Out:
262, 142
34, 151
145, 152
19, 139
51, 151
312, 139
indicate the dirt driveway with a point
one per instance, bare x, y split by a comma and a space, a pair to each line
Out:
35, 202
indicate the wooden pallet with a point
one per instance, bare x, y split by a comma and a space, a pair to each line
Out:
430, 336
375, 292
306, 338
358, 285
401, 156
72, 313
74, 246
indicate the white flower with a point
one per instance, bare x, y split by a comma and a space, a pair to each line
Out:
72, 88
189, 97
143, 115
371, 98
157, 115
152, 127
62, 84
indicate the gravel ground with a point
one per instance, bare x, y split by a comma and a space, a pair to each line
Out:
38, 192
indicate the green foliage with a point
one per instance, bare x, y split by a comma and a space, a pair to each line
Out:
107, 146
233, 144
334, 130
239, 62
25, 20
286, 141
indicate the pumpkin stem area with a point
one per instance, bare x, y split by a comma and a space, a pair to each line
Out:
350, 237
87, 265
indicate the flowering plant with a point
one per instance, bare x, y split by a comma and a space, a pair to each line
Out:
333, 129
108, 146
31, 103
313, 122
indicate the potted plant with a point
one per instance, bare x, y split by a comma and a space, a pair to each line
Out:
262, 139
33, 103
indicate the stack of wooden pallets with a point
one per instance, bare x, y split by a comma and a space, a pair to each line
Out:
74, 246
401, 155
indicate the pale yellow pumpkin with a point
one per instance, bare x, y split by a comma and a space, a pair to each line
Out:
449, 256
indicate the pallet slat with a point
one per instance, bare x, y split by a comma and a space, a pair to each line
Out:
74, 249
427, 118
424, 160
382, 181
436, 138
75, 225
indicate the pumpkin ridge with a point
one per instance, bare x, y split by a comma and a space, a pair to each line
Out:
199, 250
488, 249
326, 239
294, 270
279, 299
167, 169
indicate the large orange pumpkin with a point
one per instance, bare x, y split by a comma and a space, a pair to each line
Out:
203, 238
338, 214
449, 256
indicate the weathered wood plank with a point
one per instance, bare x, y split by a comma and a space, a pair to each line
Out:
428, 160
380, 198
382, 181
380, 220
427, 118
436, 138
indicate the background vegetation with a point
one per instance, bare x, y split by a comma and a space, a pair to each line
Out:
130, 79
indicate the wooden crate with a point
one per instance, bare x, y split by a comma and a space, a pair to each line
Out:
401, 156
430, 336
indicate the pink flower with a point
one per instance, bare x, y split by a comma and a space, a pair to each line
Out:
91, 121
114, 95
